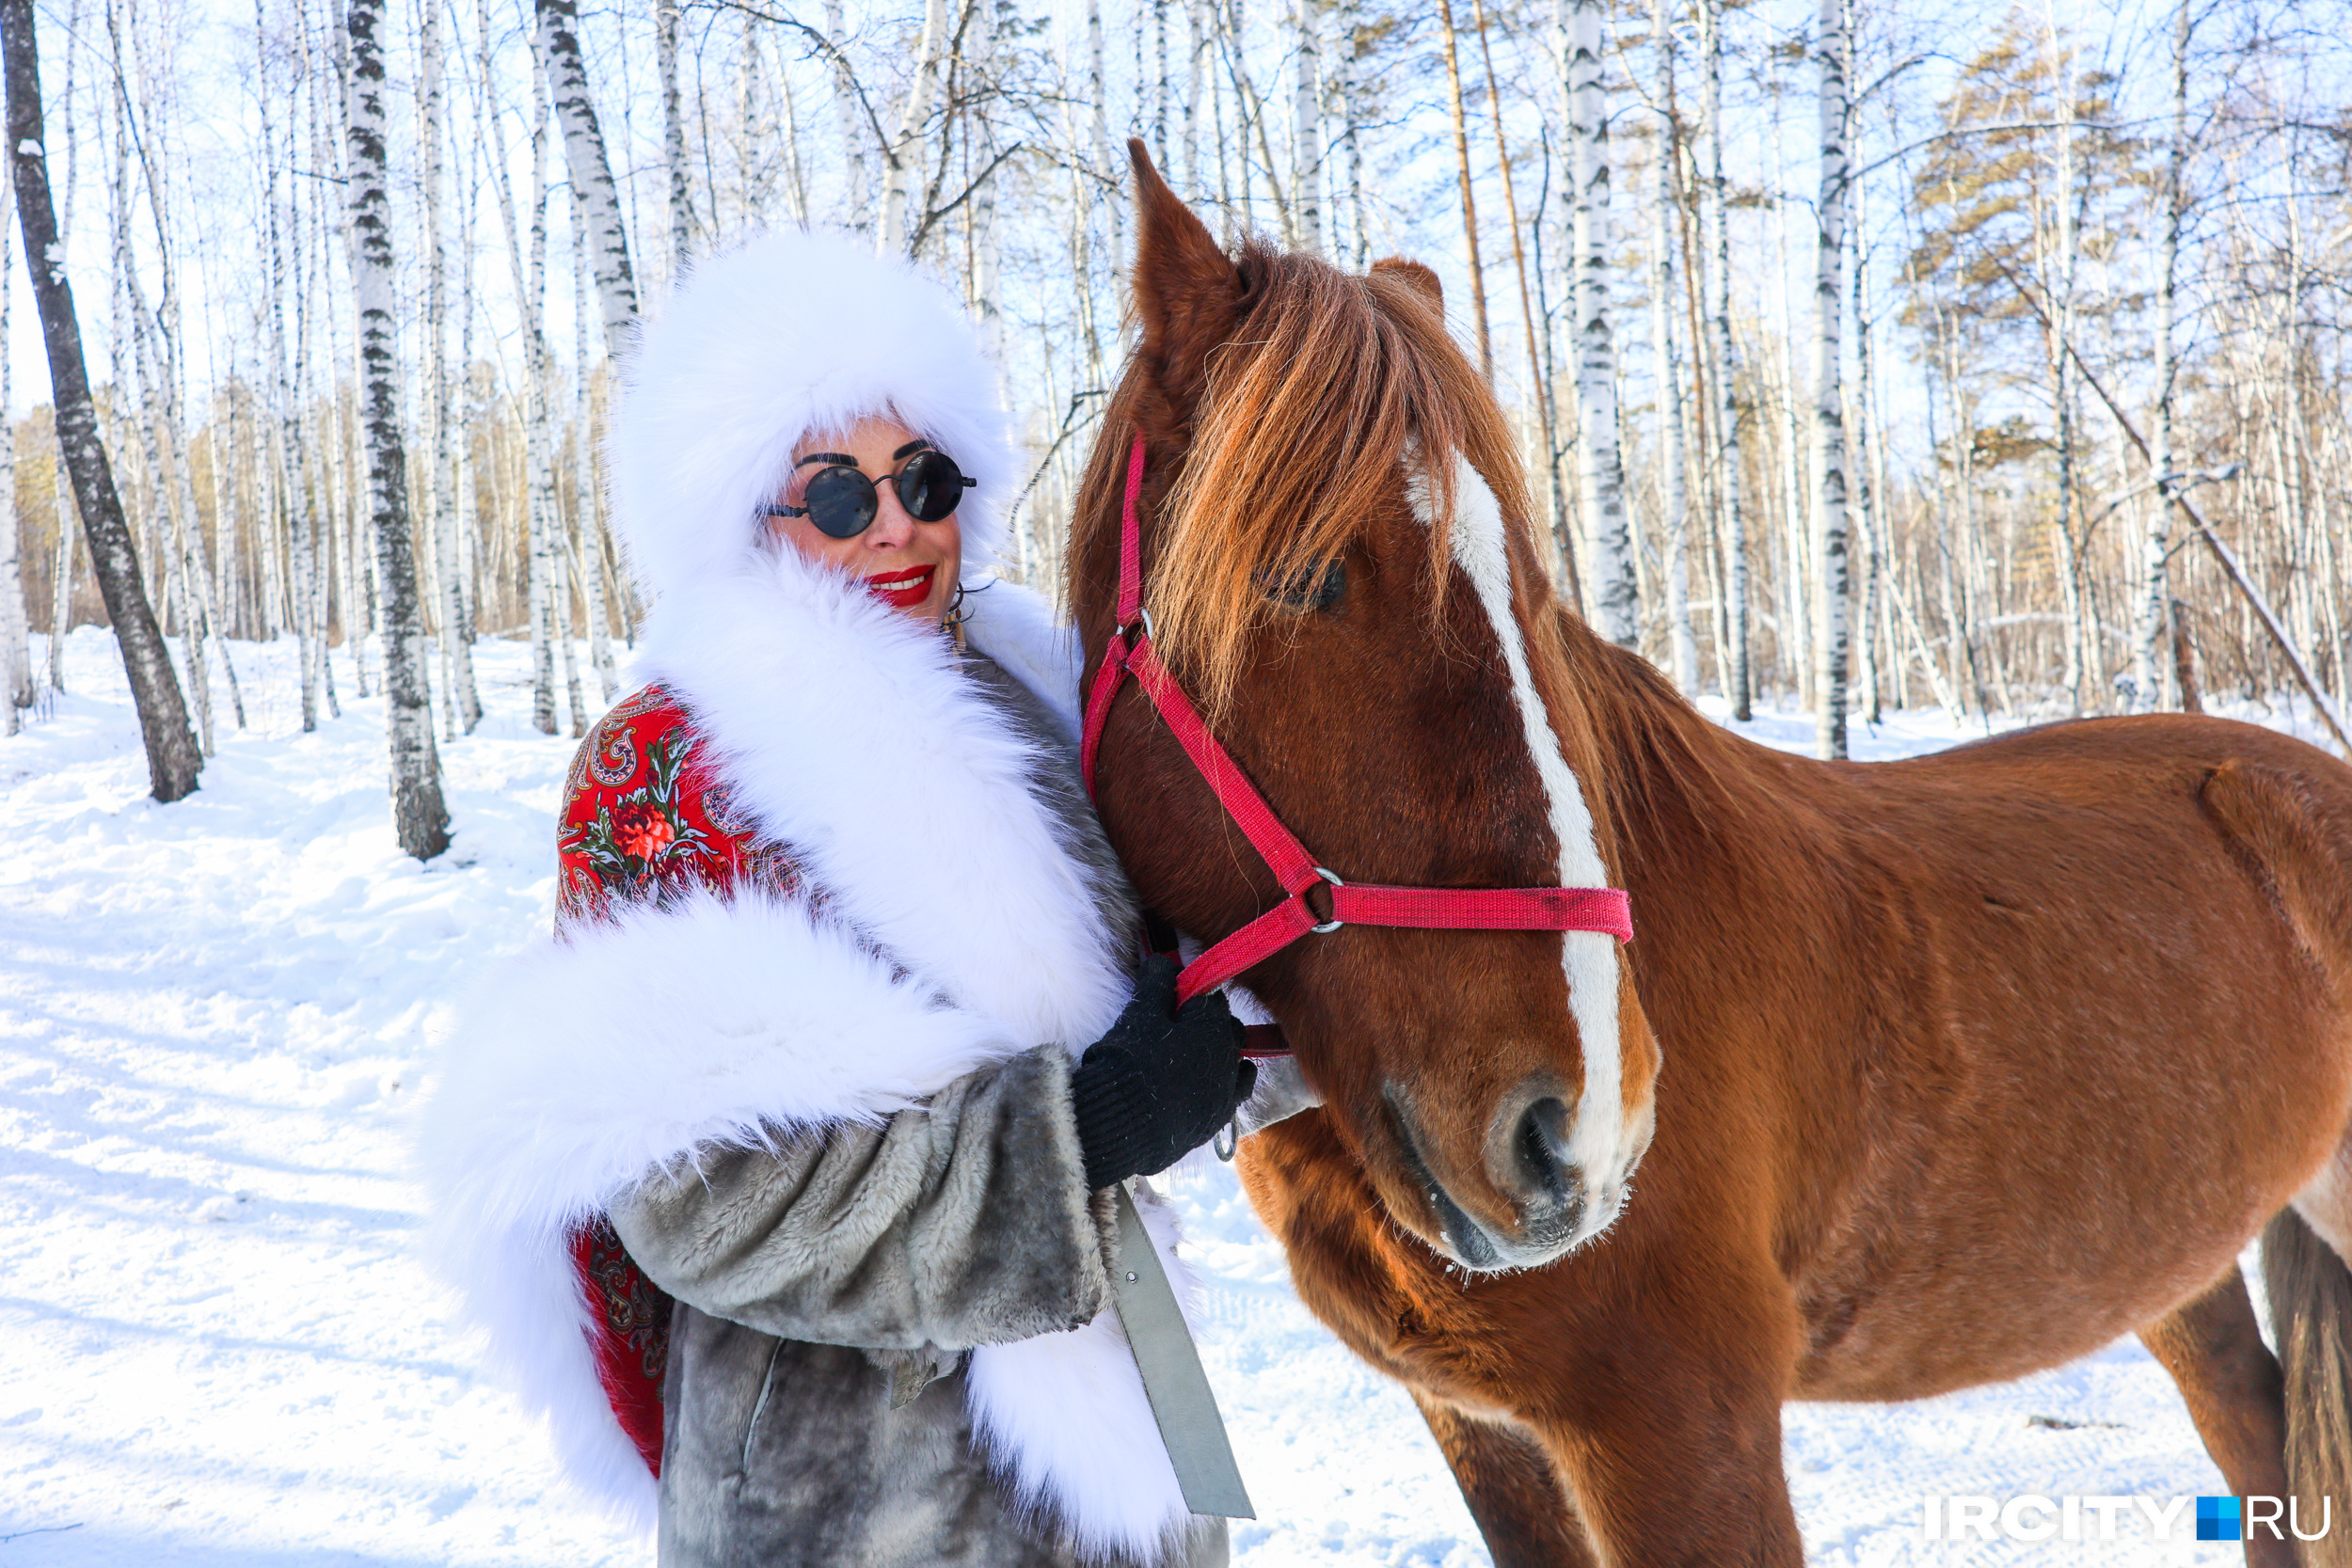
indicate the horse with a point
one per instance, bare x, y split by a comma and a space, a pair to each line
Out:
1915, 1075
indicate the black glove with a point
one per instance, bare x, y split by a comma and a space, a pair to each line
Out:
1161, 1082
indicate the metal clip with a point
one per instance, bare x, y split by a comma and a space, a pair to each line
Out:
1228, 1139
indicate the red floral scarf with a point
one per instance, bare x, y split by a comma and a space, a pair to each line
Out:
643, 817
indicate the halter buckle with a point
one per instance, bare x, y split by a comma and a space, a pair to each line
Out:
1334, 924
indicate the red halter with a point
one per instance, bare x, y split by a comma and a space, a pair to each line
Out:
1505, 909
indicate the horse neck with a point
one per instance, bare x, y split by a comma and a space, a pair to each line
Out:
1686, 808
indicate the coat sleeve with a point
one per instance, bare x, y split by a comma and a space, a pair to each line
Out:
959, 1223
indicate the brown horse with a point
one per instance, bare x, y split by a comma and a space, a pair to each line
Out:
1958, 1068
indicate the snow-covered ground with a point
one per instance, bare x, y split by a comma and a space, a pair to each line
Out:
215, 1346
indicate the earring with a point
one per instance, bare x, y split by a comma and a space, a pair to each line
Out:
954, 620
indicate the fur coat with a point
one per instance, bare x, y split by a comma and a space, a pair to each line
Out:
781, 1147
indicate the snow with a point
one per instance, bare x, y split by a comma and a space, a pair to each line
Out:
216, 1347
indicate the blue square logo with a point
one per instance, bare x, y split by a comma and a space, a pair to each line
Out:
2219, 1519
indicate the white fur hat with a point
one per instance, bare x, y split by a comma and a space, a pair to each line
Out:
788, 333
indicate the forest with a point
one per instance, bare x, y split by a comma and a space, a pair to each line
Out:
1981, 356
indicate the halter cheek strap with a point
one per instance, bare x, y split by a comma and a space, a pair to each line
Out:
1129, 652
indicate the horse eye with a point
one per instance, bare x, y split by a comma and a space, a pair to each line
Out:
1316, 588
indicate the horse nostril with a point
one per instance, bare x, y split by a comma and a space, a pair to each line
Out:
1542, 1138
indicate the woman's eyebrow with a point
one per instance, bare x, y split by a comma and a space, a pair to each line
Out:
908, 450
827, 457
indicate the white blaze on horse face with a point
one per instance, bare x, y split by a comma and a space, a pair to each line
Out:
1601, 1144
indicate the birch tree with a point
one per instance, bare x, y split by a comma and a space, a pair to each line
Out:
2153, 602
1832, 48
1682, 648
530, 277
173, 758
443, 529
679, 187
420, 821
1723, 456
901, 160
419, 816
1306, 125
596, 205
16, 650
1615, 597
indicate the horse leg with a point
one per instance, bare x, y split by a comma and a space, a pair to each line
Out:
1674, 1460
2235, 1394
1517, 1498
2304, 1274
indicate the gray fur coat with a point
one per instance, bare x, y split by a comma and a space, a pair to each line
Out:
828, 1114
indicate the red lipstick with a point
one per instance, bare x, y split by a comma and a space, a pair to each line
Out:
903, 588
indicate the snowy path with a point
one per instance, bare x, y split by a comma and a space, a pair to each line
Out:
216, 1348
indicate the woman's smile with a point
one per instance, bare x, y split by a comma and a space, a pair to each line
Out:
903, 588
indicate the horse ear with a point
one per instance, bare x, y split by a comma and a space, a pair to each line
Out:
1420, 278
1187, 290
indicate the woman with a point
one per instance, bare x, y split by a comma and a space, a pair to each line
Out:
776, 1176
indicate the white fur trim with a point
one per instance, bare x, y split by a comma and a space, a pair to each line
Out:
1108, 1482
547, 1106
847, 730
790, 333
959, 930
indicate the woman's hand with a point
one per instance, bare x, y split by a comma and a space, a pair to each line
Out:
1161, 1082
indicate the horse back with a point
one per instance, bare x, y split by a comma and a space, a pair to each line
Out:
2073, 1025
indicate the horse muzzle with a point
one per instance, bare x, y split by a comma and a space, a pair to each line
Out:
1529, 1202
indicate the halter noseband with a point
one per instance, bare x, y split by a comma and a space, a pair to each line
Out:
1507, 909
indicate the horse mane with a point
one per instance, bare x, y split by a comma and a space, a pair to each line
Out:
1332, 387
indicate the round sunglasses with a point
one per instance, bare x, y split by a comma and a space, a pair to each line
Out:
842, 502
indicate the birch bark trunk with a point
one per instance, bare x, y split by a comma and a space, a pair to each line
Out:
1098, 99
1612, 592
596, 204
1725, 459
1830, 632
1306, 127
173, 760
1195, 72
16, 648
420, 821
900, 183
1351, 113
2079, 654
666, 14
345, 462
1871, 620
1682, 642
1159, 89
61, 577
61, 580
459, 693
587, 538
530, 286
2154, 596
859, 183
